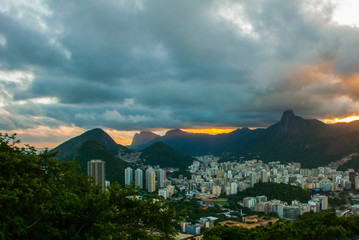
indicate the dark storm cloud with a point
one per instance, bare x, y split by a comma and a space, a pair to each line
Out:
133, 65
72, 90
25, 48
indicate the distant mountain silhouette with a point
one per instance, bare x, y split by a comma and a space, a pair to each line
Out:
163, 155
295, 126
293, 138
142, 139
196, 144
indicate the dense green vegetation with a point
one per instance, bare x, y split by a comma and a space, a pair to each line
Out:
163, 155
280, 191
323, 225
42, 198
114, 167
336, 199
195, 212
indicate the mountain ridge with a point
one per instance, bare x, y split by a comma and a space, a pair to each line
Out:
293, 138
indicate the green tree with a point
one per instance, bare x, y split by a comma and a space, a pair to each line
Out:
41, 198
281, 191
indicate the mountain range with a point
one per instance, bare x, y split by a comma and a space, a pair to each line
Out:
292, 139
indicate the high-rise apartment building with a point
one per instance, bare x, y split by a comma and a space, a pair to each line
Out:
161, 177
352, 175
253, 178
128, 176
234, 188
315, 172
264, 176
150, 180
139, 178
96, 169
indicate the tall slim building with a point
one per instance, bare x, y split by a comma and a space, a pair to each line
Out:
150, 180
139, 178
264, 176
253, 178
128, 176
161, 177
315, 172
352, 179
96, 169
234, 188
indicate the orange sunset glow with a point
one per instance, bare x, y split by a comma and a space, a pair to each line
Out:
121, 137
339, 120
212, 131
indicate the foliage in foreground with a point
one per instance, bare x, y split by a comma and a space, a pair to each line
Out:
280, 191
324, 225
195, 212
41, 198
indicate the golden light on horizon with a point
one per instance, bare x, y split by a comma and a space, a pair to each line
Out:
121, 137
341, 120
212, 131
46, 137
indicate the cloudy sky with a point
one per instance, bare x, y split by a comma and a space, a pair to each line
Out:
129, 65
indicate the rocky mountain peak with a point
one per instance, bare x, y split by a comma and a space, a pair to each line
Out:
143, 137
285, 121
287, 115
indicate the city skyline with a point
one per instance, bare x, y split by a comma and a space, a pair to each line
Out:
157, 65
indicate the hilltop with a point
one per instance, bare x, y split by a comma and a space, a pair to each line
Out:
163, 155
68, 148
95, 144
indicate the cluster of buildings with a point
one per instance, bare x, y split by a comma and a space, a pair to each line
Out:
128, 156
204, 222
150, 180
284, 210
211, 177
214, 178
154, 179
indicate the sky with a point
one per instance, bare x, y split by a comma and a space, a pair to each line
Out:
130, 65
